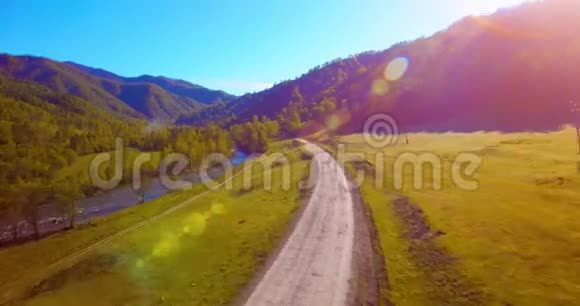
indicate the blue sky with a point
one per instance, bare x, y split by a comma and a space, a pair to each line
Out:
237, 46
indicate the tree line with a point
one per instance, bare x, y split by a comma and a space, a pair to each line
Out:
47, 139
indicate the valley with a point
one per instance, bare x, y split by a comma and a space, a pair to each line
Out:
442, 170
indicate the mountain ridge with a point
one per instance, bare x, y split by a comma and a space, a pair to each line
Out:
156, 98
175, 86
480, 73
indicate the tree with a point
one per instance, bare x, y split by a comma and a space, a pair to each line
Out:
140, 192
66, 195
297, 97
294, 123
33, 196
11, 210
273, 128
5, 132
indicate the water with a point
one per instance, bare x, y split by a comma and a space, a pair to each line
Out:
107, 202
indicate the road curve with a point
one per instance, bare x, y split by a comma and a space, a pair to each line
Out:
314, 267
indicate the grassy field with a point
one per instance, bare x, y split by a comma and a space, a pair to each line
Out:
513, 241
79, 169
201, 254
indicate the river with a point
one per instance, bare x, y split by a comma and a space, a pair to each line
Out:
105, 203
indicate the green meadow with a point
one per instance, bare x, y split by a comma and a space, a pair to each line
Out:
202, 253
515, 240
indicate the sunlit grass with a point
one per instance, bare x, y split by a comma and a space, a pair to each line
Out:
79, 169
201, 254
517, 236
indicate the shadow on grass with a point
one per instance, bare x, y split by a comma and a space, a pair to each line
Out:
80, 271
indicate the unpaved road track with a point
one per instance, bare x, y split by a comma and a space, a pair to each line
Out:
314, 267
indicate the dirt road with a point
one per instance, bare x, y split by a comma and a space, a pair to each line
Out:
315, 265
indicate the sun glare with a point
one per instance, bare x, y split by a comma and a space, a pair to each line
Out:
483, 7
396, 69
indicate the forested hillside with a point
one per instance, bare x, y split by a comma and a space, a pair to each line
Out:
147, 97
517, 69
43, 132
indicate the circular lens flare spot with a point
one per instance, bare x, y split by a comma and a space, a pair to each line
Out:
196, 224
333, 122
380, 87
396, 69
140, 263
218, 208
166, 246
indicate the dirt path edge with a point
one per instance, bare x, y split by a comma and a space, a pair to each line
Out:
369, 266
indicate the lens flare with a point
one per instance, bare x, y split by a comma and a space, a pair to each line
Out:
166, 246
218, 208
380, 87
196, 224
333, 122
482, 7
504, 30
140, 264
396, 69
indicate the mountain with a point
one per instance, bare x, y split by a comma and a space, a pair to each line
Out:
45, 136
178, 87
146, 97
517, 69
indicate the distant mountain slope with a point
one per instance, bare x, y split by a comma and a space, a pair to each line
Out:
63, 79
178, 87
156, 98
45, 137
514, 70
